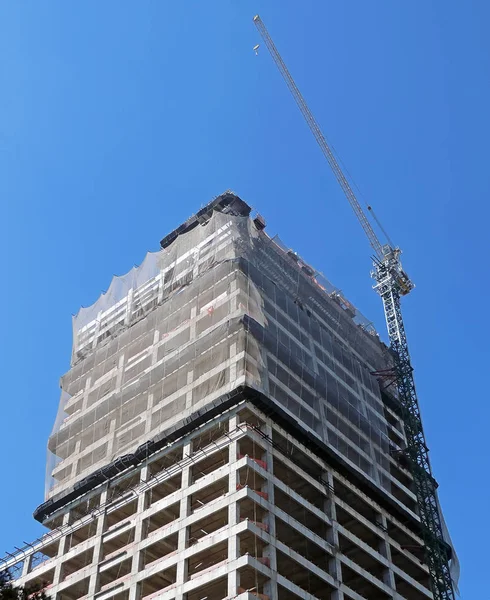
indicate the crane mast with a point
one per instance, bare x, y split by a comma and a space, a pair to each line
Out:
391, 282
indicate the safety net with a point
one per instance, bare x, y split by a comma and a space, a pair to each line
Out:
224, 305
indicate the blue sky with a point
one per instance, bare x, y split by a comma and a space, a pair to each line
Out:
118, 120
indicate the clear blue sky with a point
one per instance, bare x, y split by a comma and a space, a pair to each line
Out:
119, 119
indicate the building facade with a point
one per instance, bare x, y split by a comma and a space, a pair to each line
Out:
221, 435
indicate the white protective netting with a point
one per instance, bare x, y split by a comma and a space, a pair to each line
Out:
222, 306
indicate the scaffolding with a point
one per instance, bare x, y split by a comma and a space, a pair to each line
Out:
221, 306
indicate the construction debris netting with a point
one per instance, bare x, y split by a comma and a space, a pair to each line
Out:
224, 305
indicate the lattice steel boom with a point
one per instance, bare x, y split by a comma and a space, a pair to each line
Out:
391, 283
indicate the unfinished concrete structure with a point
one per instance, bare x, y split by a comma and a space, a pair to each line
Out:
221, 435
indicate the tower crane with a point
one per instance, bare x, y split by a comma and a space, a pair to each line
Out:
391, 283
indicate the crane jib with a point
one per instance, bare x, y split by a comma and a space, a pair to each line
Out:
391, 283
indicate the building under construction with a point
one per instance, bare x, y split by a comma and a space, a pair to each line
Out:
225, 431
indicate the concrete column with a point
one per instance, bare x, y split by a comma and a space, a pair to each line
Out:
26, 567
334, 564
111, 438
195, 266
74, 466
120, 370
97, 329
188, 395
329, 505
129, 307
233, 297
138, 536
193, 323
233, 513
311, 348
97, 557
149, 404
154, 350
62, 550
88, 383
160, 287
384, 550
232, 363
233, 554
270, 588
184, 512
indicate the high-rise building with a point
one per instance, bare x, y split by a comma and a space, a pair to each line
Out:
222, 434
